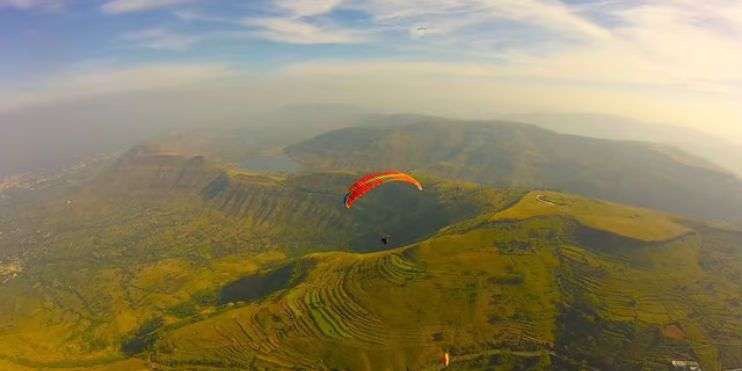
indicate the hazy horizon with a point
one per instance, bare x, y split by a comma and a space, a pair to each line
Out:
667, 61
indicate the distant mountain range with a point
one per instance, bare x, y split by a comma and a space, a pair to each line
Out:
512, 154
725, 153
50, 138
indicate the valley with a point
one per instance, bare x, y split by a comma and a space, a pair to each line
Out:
508, 154
167, 259
370, 185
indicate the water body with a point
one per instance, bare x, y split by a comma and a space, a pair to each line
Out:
257, 286
279, 163
260, 285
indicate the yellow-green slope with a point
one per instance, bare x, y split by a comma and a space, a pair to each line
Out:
555, 281
541, 292
634, 222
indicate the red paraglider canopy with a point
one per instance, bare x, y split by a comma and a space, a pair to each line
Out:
371, 181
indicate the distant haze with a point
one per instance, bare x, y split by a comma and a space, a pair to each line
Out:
716, 149
136, 67
55, 135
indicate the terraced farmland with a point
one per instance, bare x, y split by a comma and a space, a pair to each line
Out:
550, 302
156, 243
220, 273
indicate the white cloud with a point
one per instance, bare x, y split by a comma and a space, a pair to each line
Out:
295, 31
19, 4
391, 68
669, 45
190, 15
566, 83
33, 4
678, 44
160, 38
305, 8
452, 15
128, 6
298, 24
306, 21
664, 60
101, 81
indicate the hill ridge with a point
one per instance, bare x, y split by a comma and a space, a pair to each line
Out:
511, 154
140, 260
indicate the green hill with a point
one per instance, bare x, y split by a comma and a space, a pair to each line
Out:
637, 223
169, 261
510, 154
156, 234
541, 292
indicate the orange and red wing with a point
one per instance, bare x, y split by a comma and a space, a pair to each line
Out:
371, 181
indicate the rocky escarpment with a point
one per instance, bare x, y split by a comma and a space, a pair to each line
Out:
145, 168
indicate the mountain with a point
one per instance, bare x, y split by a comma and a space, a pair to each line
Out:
540, 285
512, 154
725, 153
171, 261
160, 233
54, 137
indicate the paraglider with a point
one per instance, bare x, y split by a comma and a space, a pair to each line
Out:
446, 359
371, 181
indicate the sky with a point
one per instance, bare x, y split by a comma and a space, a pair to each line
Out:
667, 61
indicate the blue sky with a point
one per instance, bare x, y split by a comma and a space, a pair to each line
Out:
659, 60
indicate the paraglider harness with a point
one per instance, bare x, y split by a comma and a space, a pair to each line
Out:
386, 239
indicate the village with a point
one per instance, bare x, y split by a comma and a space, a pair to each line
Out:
30, 181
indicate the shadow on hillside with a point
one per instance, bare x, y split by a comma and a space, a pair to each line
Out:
260, 285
